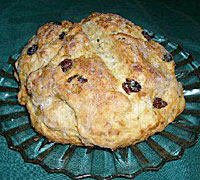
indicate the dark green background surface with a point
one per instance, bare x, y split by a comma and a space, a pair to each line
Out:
177, 20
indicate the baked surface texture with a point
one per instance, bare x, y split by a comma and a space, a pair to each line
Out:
101, 82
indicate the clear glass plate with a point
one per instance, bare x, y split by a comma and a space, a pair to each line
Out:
82, 162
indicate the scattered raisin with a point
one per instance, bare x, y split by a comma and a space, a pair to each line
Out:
66, 65
146, 35
159, 103
57, 23
32, 50
168, 57
61, 36
71, 78
82, 80
131, 86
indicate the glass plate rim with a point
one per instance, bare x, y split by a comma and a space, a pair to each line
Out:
118, 175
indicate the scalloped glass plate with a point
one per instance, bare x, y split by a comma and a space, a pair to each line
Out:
82, 162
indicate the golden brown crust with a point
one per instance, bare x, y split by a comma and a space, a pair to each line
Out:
74, 83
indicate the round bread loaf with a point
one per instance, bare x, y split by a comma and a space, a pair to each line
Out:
100, 82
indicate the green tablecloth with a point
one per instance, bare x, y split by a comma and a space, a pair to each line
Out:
177, 20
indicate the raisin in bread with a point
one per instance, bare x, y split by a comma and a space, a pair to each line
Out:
101, 82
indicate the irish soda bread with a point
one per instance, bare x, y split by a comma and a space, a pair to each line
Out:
101, 82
